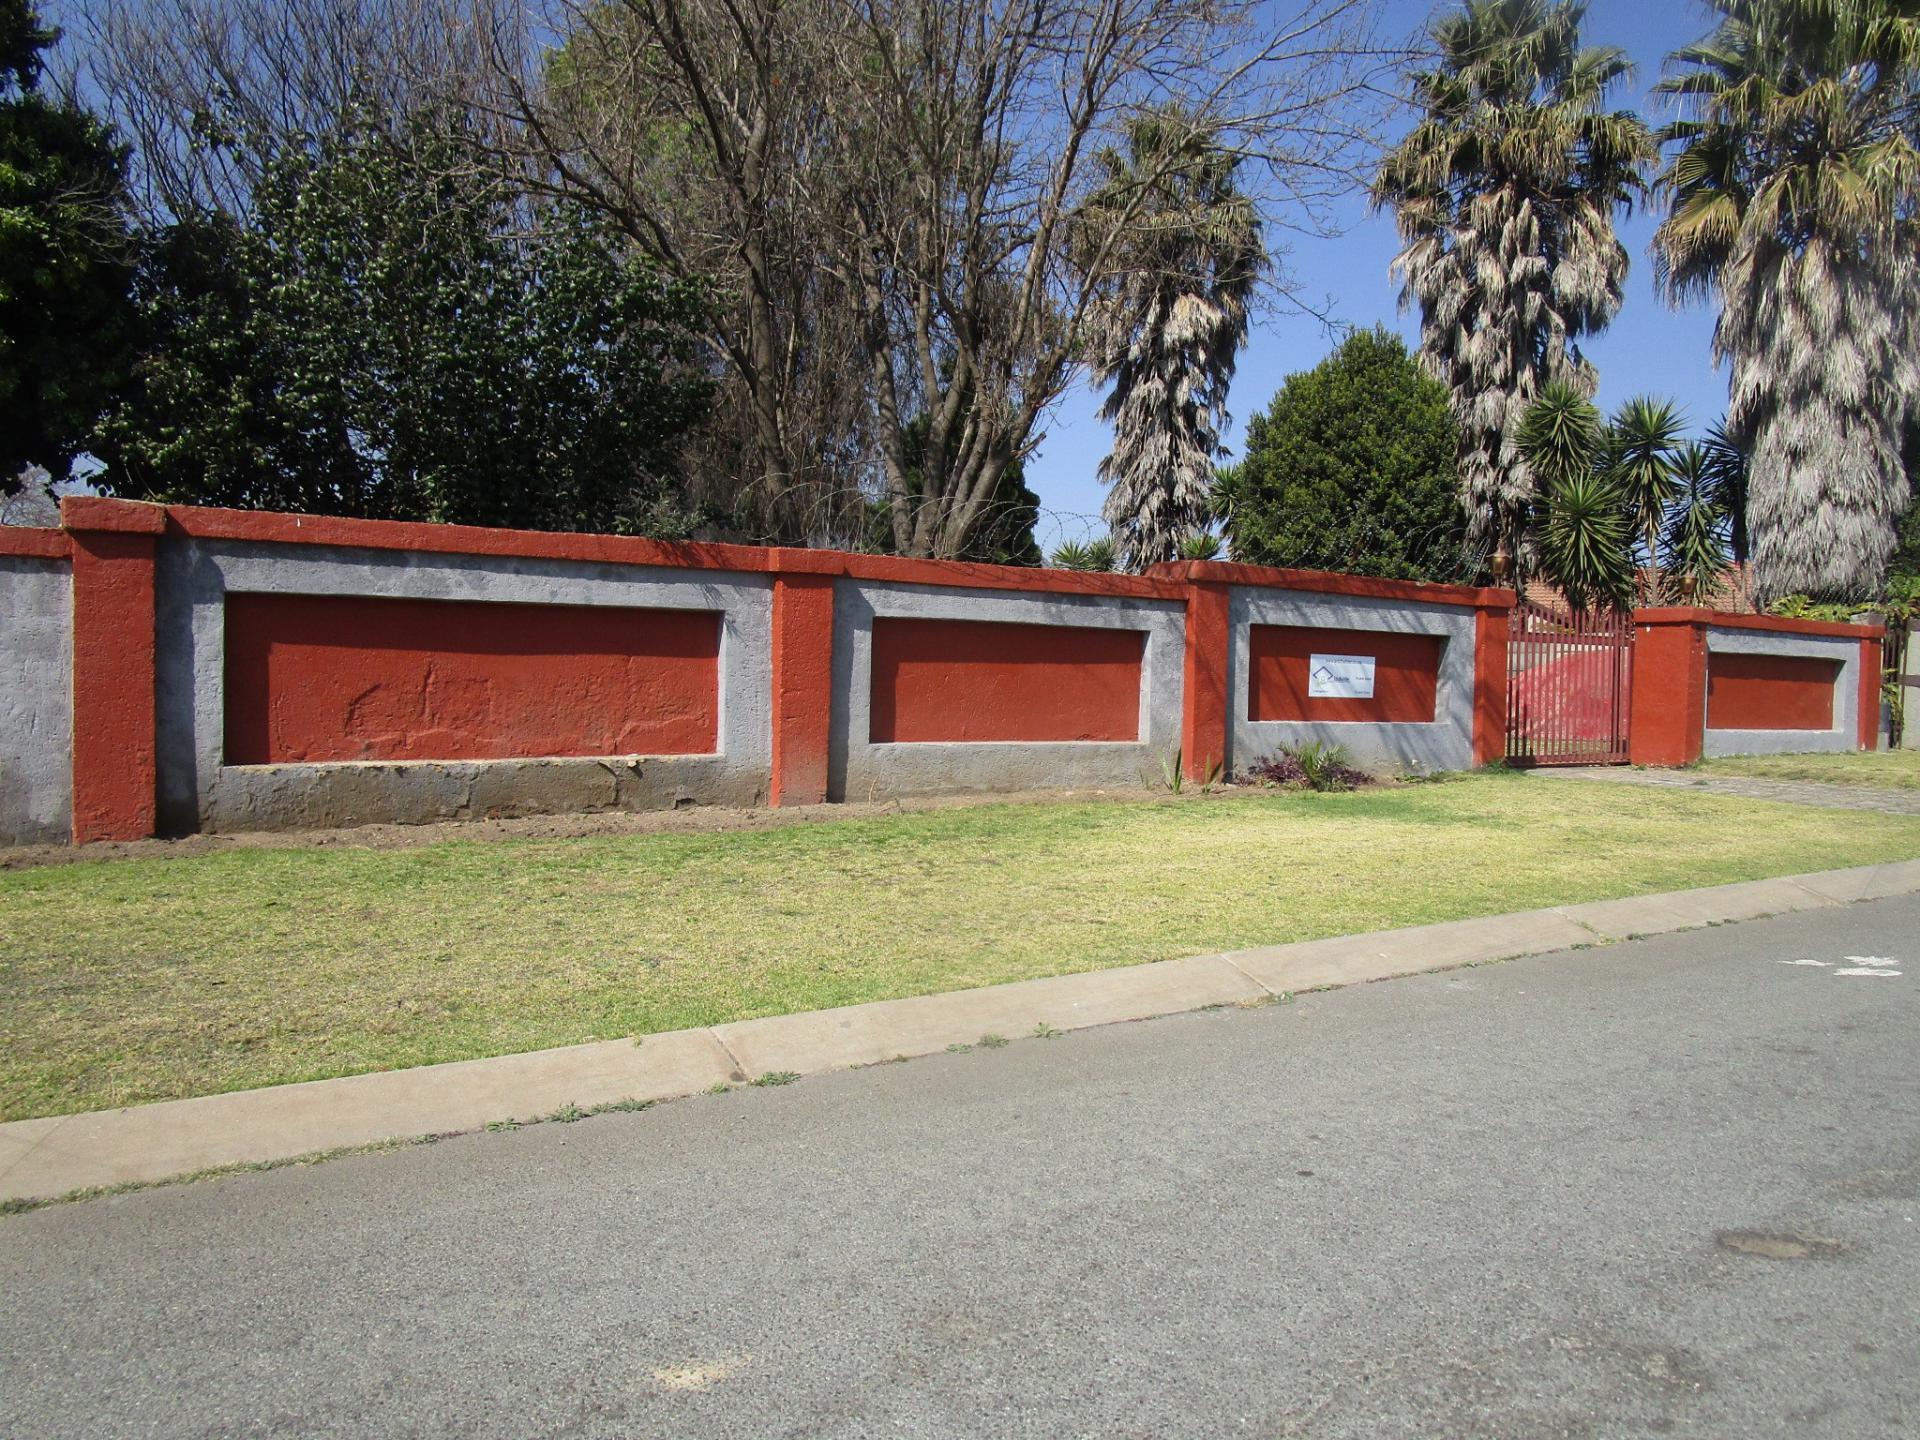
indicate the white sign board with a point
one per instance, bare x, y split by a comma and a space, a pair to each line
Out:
1340, 677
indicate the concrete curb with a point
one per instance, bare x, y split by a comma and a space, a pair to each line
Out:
59, 1155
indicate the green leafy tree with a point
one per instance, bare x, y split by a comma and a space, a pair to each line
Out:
1351, 468
64, 261
1791, 196
1505, 194
392, 332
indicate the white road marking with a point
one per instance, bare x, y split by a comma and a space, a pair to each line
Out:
1886, 974
1871, 960
1821, 963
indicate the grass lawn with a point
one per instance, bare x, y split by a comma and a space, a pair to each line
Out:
137, 980
1882, 769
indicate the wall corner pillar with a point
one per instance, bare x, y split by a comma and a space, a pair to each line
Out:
115, 751
802, 686
1872, 664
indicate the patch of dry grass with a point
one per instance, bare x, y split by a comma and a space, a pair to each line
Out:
1880, 769
154, 978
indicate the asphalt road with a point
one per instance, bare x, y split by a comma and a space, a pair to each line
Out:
1669, 1187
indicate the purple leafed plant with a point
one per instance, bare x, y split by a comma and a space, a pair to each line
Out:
1312, 763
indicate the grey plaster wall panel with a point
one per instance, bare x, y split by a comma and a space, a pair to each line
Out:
199, 792
1845, 732
1444, 744
36, 700
859, 769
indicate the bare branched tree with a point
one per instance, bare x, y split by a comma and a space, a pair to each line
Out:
885, 194
208, 91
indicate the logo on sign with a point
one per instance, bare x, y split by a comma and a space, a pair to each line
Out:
1340, 677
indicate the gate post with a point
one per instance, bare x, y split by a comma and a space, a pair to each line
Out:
1492, 634
1669, 691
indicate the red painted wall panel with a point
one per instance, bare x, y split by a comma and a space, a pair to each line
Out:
321, 677
973, 680
1770, 692
1406, 674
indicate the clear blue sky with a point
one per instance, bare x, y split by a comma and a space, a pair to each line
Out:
1649, 348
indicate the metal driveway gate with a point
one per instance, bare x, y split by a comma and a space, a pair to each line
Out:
1567, 679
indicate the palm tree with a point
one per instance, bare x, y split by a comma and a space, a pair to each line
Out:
1791, 197
1580, 534
1166, 333
1505, 195
1642, 441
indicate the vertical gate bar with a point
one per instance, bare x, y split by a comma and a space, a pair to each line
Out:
1560, 694
1622, 672
1546, 685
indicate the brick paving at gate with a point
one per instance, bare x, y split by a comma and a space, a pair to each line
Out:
1790, 792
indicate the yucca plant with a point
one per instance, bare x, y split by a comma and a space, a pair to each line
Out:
1642, 440
1581, 535
1695, 532
1204, 546
1727, 477
1083, 555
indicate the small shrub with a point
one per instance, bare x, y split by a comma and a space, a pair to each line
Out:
1172, 771
1200, 547
1316, 764
1805, 607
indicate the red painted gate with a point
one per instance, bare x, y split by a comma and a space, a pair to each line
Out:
1567, 680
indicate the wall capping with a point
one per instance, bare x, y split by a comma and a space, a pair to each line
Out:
100, 512
1161, 582
267, 527
37, 541
1427, 592
1780, 624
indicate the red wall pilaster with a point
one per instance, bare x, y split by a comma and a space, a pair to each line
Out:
1204, 721
115, 780
1669, 690
1492, 631
1870, 667
802, 687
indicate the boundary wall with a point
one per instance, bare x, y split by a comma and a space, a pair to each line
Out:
171, 669
1707, 683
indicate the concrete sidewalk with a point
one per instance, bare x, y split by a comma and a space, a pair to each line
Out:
59, 1155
